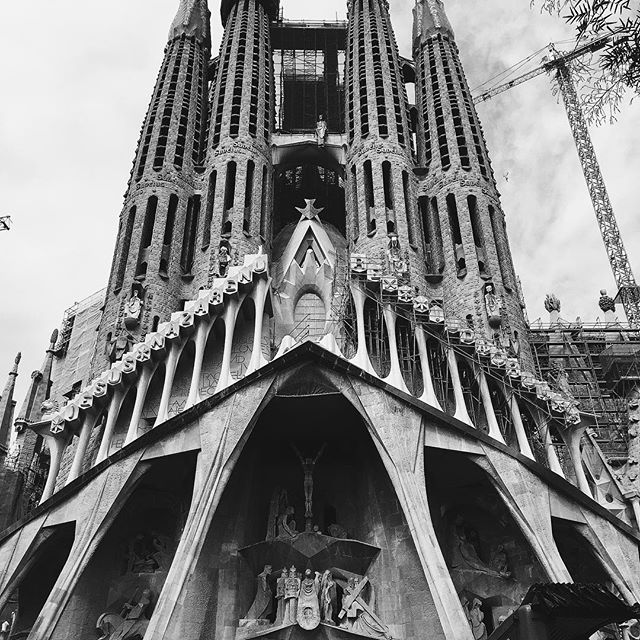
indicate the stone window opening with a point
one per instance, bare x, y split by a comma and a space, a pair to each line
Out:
124, 252
478, 237
369, 198
229, 198
502, 247
409, 211
190, 233
456, 236
263, 204
354, 189
167, 241
147, 237
208, 216
248, 197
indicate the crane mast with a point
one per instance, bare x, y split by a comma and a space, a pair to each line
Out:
628, 290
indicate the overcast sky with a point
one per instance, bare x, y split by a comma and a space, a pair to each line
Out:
77, 80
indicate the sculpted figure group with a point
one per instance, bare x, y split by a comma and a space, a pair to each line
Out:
312, 598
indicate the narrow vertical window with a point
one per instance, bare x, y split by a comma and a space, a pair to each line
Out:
388, 196
411, 228
478, 238
229, 198
167, 241
502, 247
124, 250
356, 206
208, 214
147, 236
263, 205
369, 197
248, 197
190, 231
456, 236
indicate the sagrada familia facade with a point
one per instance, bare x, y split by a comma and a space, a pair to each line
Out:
309, 403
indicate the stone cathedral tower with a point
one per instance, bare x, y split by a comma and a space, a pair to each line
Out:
312, 409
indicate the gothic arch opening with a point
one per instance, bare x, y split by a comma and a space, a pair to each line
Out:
353, 528
309, 181
130, 564
375, 330
242, 346
487, 555
36, 577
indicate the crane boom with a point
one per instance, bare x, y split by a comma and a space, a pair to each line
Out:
628, 290
550, 65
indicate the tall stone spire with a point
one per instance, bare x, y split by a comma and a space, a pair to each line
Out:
155, 255
31, 410
239, 168
379, 161
6, 406
192, 20
460, 207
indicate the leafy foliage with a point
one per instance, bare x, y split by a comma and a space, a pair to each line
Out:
604, 79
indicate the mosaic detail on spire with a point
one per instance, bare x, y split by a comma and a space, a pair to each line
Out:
192, 19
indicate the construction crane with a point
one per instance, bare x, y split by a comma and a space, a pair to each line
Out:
5, 223
628, 290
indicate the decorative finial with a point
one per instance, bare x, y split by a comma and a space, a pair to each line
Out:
552, 303
606, 302
18, 358
310, 212
54, 338
192, 19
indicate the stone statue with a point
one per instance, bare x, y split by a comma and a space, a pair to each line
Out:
465, 552
308, 616
280, 602
328, 597
492, 306
476, 620
133, 310
499, 561
286, 524
148, 554
552, 303
356, 615
262, 606
606, 302
321, 130
308, 465
291, 593
397, 264
224, 260
278, 507
338, 531
119, 346
130, 624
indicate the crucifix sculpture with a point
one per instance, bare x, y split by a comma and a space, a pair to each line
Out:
308, 465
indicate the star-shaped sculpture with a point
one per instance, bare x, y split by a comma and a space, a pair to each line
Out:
310, 212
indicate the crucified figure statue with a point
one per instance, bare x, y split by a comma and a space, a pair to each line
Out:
308, 465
